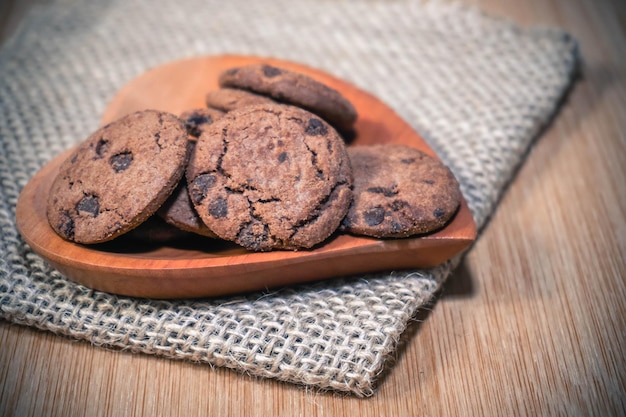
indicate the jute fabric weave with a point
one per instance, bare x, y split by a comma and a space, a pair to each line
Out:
479, 89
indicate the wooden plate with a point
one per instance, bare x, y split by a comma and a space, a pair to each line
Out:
209, 268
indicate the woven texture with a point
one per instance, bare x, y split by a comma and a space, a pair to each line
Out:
478, 89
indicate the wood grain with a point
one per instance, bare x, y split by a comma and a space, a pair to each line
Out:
532, 324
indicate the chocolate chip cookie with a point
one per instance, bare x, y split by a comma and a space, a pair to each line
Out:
270, 177
118, 177
399, 192
227, 99
196, 120
293, 88
178, 211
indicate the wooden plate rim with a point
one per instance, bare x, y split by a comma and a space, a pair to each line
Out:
32, 222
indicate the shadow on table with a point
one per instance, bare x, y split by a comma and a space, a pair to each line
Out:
460, 284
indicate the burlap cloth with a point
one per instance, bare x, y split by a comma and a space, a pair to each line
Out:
479, 89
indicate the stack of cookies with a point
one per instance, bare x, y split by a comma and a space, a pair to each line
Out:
264, 165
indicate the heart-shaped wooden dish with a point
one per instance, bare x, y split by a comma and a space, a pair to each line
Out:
205, 267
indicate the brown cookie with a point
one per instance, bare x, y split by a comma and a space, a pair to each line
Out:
399, 192
227, 99
196, 120
293, 88
178, 211
118, 177
270, 177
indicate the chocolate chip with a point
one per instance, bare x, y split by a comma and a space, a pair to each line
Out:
439, 212
282, 157
396, 227
346, 222
387, 192
429, 182
270, 71
398, 205
374, 216
253, 236
102, 147
192, 124
199, 187
199, 119
66, 225
121, 161
316, 127
219, 208
89, 204
407, 161
193, 130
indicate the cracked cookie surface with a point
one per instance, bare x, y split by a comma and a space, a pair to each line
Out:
293, 88
270, 177
118, 177
399, 192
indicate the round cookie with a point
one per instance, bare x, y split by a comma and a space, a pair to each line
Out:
399, 192
270, 177
196, 120
293, 88
118, 177
227, 99
178, 211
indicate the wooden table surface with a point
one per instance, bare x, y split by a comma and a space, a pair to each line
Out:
532, 323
